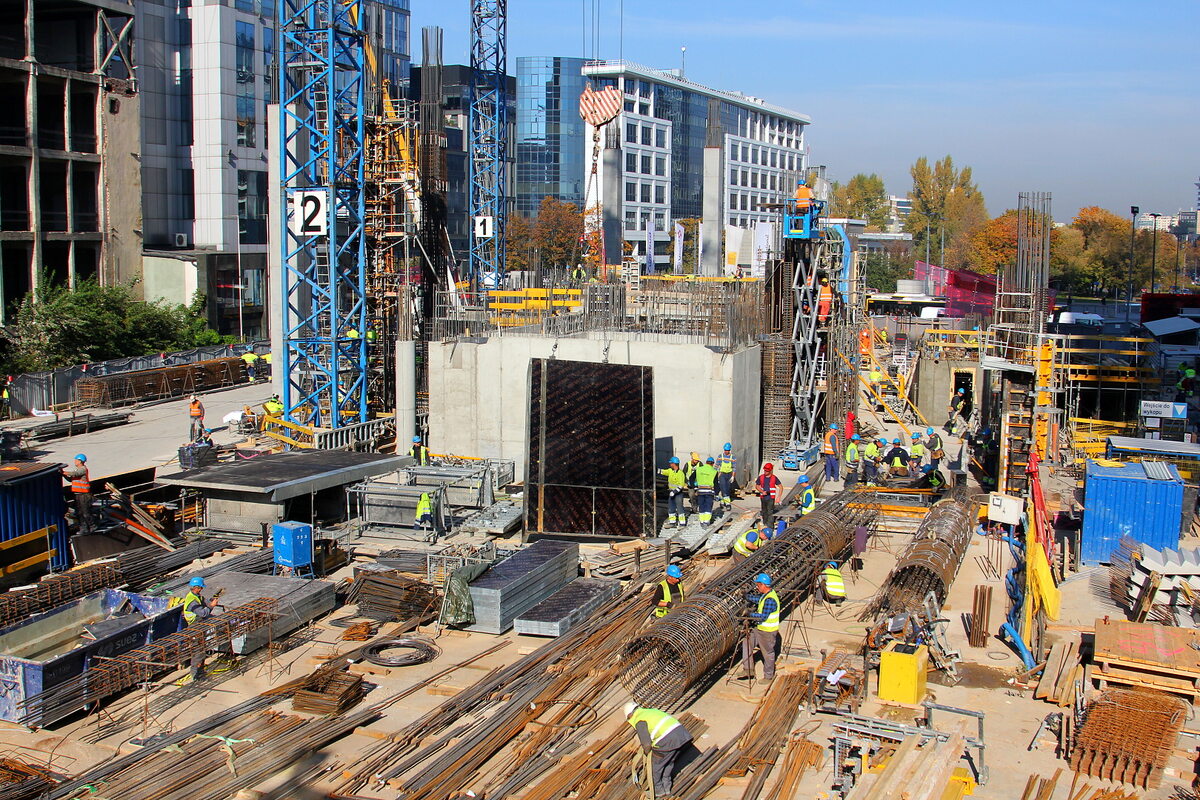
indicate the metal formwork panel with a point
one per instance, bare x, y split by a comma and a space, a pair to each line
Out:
590, 466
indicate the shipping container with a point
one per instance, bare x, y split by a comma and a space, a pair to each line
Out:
1142, 500
31, 499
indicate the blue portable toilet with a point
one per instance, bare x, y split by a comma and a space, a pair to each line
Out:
293, 543
1142, 500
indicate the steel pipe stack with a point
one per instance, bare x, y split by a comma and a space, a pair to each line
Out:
660, 665
931, 561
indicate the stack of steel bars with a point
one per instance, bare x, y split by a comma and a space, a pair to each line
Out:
162, 382
22, 781
660, 666
931, 561
1127, 736
391, 596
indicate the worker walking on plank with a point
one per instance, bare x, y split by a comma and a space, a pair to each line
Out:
670, 591
726, 465
954, 409
689, 476
767, 488
853, 461
933, 442
830, 449
764, 636
663, 737
196, 609
419, 452
808, 496
706, 479
196, 415
833, 583
676, 485
81, 490
749, 541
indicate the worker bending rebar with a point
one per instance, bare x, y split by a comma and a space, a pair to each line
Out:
764, 635
663, 738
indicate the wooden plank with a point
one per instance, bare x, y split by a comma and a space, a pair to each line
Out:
1070, 662
935, 779
1054, 663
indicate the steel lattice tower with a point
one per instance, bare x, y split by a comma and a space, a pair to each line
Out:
321, 135
488, 122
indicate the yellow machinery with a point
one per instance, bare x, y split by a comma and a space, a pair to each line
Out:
902, 669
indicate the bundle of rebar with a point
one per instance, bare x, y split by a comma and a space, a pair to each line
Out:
159, 383
760, 746
329, 693
391, 596
979, 626
931, 561
660, 666
22, 781
1128, 735
122, 672
133, 568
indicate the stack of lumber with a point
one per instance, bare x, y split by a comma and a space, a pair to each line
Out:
913, 773
626, 559
1148, 657
1062, 670
137, 519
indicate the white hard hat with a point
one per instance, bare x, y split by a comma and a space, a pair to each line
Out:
630, 707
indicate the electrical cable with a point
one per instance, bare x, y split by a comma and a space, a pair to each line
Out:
420, 651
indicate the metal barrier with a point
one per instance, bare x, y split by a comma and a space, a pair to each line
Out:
348, 436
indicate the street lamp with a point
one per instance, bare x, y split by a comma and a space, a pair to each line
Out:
1133, 212
1154, 251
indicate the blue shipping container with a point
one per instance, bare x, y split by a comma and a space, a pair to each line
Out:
293, 544
1125, 501
31, 498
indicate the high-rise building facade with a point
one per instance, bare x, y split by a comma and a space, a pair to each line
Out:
550, 142
662, 132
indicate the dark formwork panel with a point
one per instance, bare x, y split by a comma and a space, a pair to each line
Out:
590, 465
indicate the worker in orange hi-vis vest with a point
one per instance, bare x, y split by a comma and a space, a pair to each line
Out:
824, 300
864, 342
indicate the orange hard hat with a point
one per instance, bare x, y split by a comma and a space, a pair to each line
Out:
768, 467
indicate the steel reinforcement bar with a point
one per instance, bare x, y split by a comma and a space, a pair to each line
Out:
931, 561
660, 665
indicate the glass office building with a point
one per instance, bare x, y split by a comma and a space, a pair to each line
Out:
551, 140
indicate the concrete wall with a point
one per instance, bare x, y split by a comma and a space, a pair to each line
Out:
170, 279
122, 196
479, 406
935, 384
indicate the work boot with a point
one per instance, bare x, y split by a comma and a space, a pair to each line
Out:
744, 678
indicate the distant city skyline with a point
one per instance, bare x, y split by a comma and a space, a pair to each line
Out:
1093, 102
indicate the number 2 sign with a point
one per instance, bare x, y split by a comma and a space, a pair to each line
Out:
310, 212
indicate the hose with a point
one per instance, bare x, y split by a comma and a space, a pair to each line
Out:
420, 651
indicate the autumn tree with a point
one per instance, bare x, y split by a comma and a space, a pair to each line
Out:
862, 197
993, 245
558, 233
947, 207
518, 239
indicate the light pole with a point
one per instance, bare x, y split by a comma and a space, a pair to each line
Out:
1178, 247
1154, 251
1133, 212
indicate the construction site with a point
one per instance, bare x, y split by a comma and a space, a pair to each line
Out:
607, 534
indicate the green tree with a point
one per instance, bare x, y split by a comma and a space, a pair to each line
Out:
947, 207
558, 233
63, 326
882, 270
863, 197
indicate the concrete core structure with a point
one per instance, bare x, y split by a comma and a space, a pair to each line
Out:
479, 394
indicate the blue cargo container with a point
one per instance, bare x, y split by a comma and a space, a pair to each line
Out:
31, 498
1141, 500
49, 648
293, 544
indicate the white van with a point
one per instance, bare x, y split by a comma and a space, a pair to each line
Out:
932, 312
1072, 318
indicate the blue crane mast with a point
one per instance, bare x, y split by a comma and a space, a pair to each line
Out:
488, 125
322, 81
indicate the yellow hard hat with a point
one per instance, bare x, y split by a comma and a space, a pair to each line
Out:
695, 456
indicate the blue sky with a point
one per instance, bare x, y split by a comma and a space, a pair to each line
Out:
1096, 102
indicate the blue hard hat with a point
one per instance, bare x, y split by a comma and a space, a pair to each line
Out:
767, 533
833, 564
916, 435
416, 440
674, 460
929, 431
763, 578
728, 446
927, 468
833, 426
81, 457
197, 581
710, 460
895, 441
962, 391
752, 536
855, 438
803, 479
674, 571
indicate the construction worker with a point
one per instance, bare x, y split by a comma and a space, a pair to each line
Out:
954, 409
803, 197
266, 360
670, 591
808, 497
830, 449
896, 459
749, 541
663, 738
250, 358
352, 333
864, 343
726, 466
824, 300
833, 584
273, 406
767, 488
853, 460
195, 609
676, 486
419, 452
764, 636
578, 274
424, 513
875, 378
81, 490
5, 405
689, 475
916, 453
196, 415
870, 467
706, 480
871, 450
931, 478
933, 443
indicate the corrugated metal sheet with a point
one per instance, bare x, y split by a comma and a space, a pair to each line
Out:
1158, 471
31, 498
1124, 501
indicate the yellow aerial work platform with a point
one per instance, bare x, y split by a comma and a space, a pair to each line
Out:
902, 670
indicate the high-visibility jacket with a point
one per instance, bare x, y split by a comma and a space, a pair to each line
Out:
196, 409
834, 585
808, 501
660, 723
830, 447
352, 334
803, 197
852, 456
267, 357
689, 472
876, 376
424, 506
81, 484
421, 453
934, 443
744, 546
189, 600
936, 479
864, 342
669, 594
675, 478
249, 358
578, 275
726, 464
771, 623
826, 295
769, 485
871, 450
897, 457
917, 451
706, 476
273, 407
